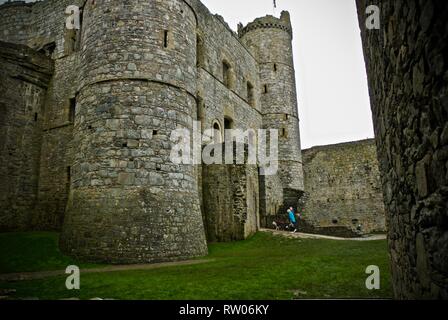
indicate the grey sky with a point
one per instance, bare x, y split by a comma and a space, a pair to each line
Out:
332, 84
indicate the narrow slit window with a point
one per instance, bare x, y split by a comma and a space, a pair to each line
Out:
200, 55
250, 94
265, 88
275, 67
283, 133
165, 38
36, 116
69, 175
72, 110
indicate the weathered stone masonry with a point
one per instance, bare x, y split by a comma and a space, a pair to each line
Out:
134, 72
85, 118
407, 71
343, 188
26, 71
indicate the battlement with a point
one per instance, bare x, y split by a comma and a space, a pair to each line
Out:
269, 21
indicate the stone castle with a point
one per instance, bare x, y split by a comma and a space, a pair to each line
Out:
87, 116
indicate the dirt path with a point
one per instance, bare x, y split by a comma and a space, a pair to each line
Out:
299, 235
10, 277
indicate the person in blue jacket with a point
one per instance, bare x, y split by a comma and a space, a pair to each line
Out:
292, 219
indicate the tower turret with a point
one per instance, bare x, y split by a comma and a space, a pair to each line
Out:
128, 202
270, 41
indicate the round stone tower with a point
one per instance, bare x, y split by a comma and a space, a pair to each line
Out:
128, 202
270, 41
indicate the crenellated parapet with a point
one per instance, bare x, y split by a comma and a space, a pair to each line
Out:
284, 23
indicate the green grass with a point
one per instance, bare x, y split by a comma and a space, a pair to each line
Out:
32, 251
263, 267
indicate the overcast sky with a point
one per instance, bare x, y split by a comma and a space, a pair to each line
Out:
331, 78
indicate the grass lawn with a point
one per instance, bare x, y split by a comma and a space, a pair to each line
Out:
263, 267
33, 251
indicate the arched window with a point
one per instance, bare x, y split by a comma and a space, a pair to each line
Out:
217, 133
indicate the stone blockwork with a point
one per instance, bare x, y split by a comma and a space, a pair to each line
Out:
407, 70
231, 201
134, 91
41, 26
135, 71
270, 41
25, 75
271, 199
343, 187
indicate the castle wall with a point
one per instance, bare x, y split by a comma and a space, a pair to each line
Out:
129, 202
57, 156
25, 76
343, 187
44, 27
220, 43
15, 20
219, 103
36, 24
231, 202
134, 72
271, 199
407, 71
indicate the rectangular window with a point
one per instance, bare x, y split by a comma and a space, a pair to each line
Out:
72, 110
265, 90
69, 175
165, 38
250, 94
200, 54
226, 74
